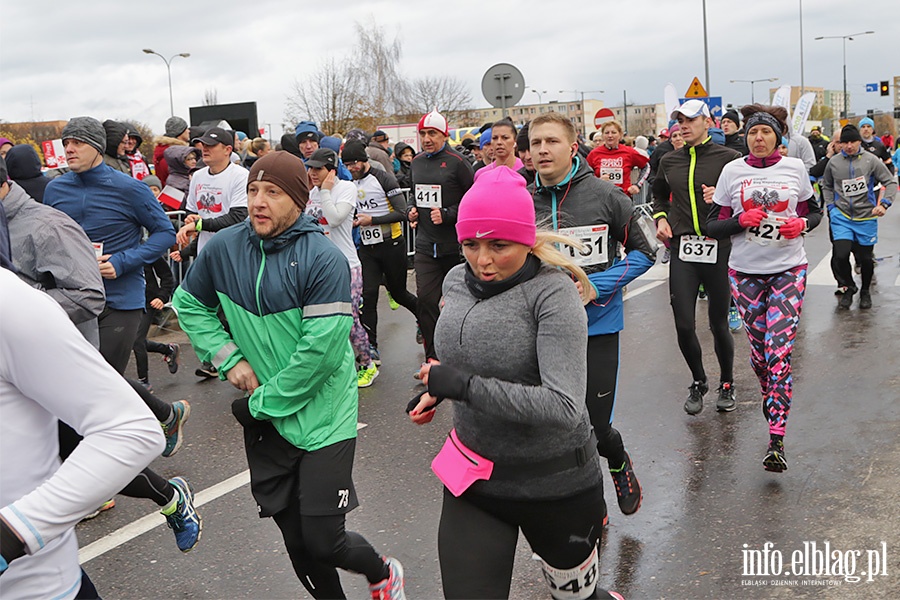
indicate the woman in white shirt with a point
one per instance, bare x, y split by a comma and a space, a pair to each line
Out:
764, 202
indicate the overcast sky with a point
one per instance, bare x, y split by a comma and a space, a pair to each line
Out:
59, 60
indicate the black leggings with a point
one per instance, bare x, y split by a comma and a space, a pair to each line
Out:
118, 329
430, 273
684, 284
840, 262
148, 484
321, 544
477, 538
385, 261
142, 345
602, 377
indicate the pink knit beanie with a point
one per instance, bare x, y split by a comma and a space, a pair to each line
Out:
497, 207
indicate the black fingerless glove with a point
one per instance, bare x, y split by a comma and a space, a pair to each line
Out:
418, 398
447, 382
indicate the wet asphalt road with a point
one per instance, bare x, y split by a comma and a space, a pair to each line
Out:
706, 494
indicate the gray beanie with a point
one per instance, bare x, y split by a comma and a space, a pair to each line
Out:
87, 130
153, 180
175, 126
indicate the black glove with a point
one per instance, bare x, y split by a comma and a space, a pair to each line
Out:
415, 402
240, 408
447, 382
11, 546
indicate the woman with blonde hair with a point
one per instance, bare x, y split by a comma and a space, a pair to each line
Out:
511, 339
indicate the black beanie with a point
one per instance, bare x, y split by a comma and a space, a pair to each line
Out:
284, 170
354, 151
522, 143
850, 134
732, 115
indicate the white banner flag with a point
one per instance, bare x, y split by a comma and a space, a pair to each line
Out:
782, 97
801, 112
670, 97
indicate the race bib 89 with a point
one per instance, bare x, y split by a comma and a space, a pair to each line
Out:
613, 174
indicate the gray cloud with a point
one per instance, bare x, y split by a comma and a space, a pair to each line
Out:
85, 58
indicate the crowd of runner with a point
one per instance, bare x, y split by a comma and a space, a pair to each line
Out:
524, 233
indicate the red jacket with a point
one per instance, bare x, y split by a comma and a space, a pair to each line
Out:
617, 164
159, 161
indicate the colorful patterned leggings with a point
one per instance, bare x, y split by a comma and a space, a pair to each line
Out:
770, 308
358, 336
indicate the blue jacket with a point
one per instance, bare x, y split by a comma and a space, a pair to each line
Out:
113, 209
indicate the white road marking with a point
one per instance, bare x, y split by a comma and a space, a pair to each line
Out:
144, 524
644, 288
821, 274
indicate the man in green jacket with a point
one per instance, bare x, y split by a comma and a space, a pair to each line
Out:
285, 291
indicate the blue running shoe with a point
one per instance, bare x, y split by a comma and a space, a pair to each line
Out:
184, 521
734, 320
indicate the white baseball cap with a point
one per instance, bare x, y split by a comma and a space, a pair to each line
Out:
691, 109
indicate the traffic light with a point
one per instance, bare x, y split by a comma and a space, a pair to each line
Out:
885, 88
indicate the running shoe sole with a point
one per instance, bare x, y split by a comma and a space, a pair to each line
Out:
172, 359
775, 462
179, 440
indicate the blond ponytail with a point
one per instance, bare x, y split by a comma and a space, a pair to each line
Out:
545, 249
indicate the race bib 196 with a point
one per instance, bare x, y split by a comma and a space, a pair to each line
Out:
428, 196
370, 234
696, 249
596, 241
854, 187
768, 231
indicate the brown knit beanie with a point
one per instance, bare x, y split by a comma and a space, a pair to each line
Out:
286, 171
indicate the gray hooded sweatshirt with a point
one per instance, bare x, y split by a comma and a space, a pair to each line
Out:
53, 254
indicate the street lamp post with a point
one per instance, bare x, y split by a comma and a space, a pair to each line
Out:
844, 39
583, 120
540, 97
752, 82
169, 71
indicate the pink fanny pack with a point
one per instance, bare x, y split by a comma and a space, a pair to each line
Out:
458, 467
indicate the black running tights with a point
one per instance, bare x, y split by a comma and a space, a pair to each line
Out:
840, 262
602, 377
684, 284
477, 538
317, 546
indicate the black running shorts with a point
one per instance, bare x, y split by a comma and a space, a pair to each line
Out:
279, 471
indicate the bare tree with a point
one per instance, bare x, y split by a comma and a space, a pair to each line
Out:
382, 87
330, 97
448, 94
210, 97
367, 88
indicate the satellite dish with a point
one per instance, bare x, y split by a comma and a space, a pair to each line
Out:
503, 86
